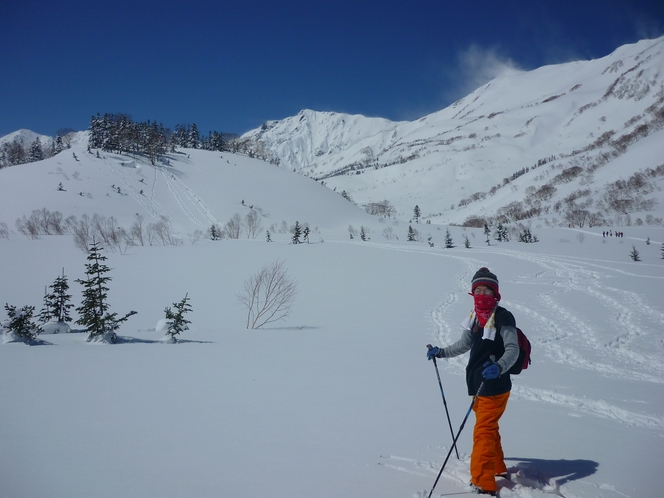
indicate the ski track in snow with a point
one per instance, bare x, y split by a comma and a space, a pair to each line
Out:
589, 406
188, 201
562, 334
456, 471
116, 171
629, 315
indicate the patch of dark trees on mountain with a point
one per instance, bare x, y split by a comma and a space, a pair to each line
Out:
579, 209
119, 133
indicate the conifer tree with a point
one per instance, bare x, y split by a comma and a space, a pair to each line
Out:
305, 233
214, 232
634, 254
501, 233
487, 232
268, 236
58, 146
21, 324
417, 213
412, 234
176, 321
449, 243
193, 141
56, 303
363, 234
36, 151
527, 237
297, 231
466, 241
94, 314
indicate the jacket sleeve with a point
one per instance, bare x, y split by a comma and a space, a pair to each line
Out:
461, 346
511, 354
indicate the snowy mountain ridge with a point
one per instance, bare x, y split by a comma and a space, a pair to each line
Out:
575, 114
25, 138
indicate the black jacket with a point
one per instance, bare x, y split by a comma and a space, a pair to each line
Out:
503, 346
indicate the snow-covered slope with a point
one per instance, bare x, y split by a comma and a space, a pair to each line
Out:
338, 400
598, 114
25, 138
191, 189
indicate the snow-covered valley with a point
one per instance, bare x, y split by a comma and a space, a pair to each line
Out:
338, 399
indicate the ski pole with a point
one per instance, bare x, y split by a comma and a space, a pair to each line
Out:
492, 360
449, 422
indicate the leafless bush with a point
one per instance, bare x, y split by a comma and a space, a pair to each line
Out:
596, 220
151, 233
268, 295
195, 237
4, 230
82, 232
651, 220
136, 230
105, 229
28, 226
163, 231
233, 227
49, 223
382, 209
545, 192
388, 233
474, 222
252, 224
576, 216
624, 196
567, 175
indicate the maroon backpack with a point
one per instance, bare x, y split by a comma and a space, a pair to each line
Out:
524, 354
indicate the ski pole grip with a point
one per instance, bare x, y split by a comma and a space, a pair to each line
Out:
429, 346
492, 359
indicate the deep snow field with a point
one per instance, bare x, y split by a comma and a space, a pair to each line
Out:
338, 400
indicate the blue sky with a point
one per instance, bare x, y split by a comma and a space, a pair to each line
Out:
230, 66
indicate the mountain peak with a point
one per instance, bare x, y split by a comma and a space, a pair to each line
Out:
512, 124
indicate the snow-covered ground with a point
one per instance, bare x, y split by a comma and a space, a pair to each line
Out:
338, 400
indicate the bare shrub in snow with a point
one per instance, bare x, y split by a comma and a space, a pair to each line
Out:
268, 295
136, 231
252, 224
382, 209
233, 227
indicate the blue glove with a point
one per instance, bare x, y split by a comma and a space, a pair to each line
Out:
435, 353
491, 370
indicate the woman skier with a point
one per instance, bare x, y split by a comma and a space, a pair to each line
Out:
490, 336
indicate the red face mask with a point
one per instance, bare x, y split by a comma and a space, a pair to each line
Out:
484, 306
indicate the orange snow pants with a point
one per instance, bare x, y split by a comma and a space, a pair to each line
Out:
486, 460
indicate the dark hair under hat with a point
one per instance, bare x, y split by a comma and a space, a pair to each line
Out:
485, 277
